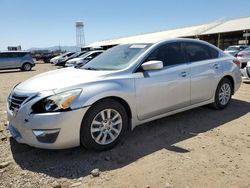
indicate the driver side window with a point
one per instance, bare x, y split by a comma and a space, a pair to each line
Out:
169, 54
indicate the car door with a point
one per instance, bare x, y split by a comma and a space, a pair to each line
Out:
165, 90
7, 60
14, 59
205, 70
17, 59
2, 61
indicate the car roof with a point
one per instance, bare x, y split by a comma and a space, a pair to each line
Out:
238, 46
168, 40
14, 51
93, 51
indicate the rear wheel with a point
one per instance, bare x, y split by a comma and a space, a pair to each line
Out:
104, 125
223, 94
26, 67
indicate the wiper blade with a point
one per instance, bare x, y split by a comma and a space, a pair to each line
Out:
90, 68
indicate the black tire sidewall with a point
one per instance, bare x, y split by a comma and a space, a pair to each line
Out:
217, 103
85, 133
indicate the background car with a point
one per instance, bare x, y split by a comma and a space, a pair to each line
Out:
83, 59
244, 57
245, 72
75, 55
60, 58
16, 59
233, 50
46, 57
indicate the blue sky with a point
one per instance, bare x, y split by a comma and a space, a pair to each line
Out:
44, 23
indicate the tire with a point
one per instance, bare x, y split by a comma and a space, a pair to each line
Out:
26, 67
223, 94
96, 125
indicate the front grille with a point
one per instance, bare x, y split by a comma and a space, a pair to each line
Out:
15, 101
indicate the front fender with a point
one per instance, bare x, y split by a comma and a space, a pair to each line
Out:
91, 93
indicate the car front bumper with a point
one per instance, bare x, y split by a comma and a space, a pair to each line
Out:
69, 65
245, 73
58, 130
243, 61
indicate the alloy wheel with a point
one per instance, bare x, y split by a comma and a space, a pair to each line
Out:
106, 126
224, 94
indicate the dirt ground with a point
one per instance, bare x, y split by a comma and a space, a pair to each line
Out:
197, 148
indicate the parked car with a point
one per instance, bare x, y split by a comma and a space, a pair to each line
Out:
233, 50
61, 58
46, 57
15, 60
127, 85
83, 59
246, 72
244, 57
75, 55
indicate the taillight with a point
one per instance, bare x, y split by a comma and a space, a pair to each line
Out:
237, 62
240, 55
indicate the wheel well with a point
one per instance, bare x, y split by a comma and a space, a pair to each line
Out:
26, 62
125, 105
230, 78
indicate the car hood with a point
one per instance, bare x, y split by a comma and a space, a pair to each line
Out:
231, 51
74, 59
55, 58
59, 79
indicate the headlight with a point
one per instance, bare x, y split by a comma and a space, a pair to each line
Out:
57, 103
80, 61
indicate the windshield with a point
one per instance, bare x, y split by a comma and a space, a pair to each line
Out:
85, 55
232, 48
66, 54
247, 49
117, 58
75, 55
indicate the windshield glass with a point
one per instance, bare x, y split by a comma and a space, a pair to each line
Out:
232, 48
75, 54
247, 49
85, 55
117, 58
65, 54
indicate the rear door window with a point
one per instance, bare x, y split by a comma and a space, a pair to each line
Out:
199, 52
12, 55
21, 54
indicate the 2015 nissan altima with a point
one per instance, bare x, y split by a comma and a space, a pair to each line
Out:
127, 85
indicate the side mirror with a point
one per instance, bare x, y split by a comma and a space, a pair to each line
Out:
89, 58
152, 65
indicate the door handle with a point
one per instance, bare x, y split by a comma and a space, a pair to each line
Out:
183, 74
215, 66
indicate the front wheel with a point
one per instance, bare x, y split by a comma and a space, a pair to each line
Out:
223, 94
104, 125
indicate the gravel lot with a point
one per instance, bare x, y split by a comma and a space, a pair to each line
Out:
197, 148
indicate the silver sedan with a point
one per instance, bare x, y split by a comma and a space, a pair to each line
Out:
127, 85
